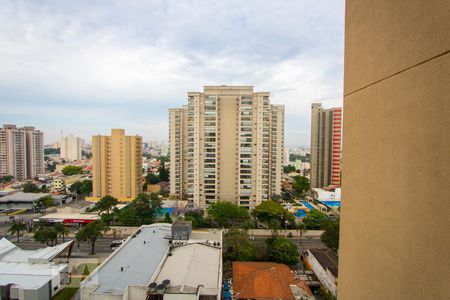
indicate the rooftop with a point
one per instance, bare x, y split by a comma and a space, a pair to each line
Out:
22, 197
145, 258
191, 266
327, 258
266, 280
135, 262
29, 269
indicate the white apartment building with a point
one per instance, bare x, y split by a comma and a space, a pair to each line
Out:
227, 144
21, 152
71, 147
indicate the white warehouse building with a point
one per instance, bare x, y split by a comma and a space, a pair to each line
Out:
160, 262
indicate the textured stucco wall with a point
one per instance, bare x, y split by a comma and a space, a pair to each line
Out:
395, 225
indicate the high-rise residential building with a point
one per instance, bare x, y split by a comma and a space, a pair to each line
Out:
70, 147
227, 144
326, 135
395, 226
21, 152
116, 166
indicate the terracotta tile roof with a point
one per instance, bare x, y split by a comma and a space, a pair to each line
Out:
264, 280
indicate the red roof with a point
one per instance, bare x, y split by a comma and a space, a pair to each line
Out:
264, 280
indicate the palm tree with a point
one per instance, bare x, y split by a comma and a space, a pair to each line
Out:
62, 231
17, 228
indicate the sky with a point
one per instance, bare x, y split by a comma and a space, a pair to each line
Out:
84, 67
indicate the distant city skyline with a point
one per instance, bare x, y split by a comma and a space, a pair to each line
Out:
86, 67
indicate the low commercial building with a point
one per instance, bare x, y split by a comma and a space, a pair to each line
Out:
267, 280
21, 200
160, 261
33, 274
324, 263
68, 217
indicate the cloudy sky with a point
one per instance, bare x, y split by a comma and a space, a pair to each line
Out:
84, 67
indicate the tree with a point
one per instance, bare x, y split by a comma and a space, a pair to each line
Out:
152, 178
272, 213
283, 251
17, 228
44, 189
238, 247
72, 170
6, 179
330, 237
288, 169
163, 174
46, 235
197, 219
315, 219
106, 204
62, 231
76, 187
86, 187
300, 185
45, 202
167, 218
30, 188
226, 213
91, 232
51, 167
81, 187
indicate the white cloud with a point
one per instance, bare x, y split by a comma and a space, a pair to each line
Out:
149, 54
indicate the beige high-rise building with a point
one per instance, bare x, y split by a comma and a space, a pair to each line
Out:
116, 166
326, 135
21, 152
227, 144
70, 147
395, 214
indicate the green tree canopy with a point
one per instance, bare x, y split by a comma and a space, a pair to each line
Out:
62, 231
91, 232
46, 201
46, 235
330, 237
106, 204
30, 188
81, 187
7, 178
268, 211
288, 169
163, 173
197, 219
72, 170
17, 228
283, 251
86, 187
238, 247
301, 184
152, 178
226, 214
315, 220
142, 210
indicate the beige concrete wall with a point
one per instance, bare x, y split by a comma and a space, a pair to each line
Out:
395, 226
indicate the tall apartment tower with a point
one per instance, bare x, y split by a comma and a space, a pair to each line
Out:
326, 135
227, 144
71, 147
395, 226
116, 166
21, 152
